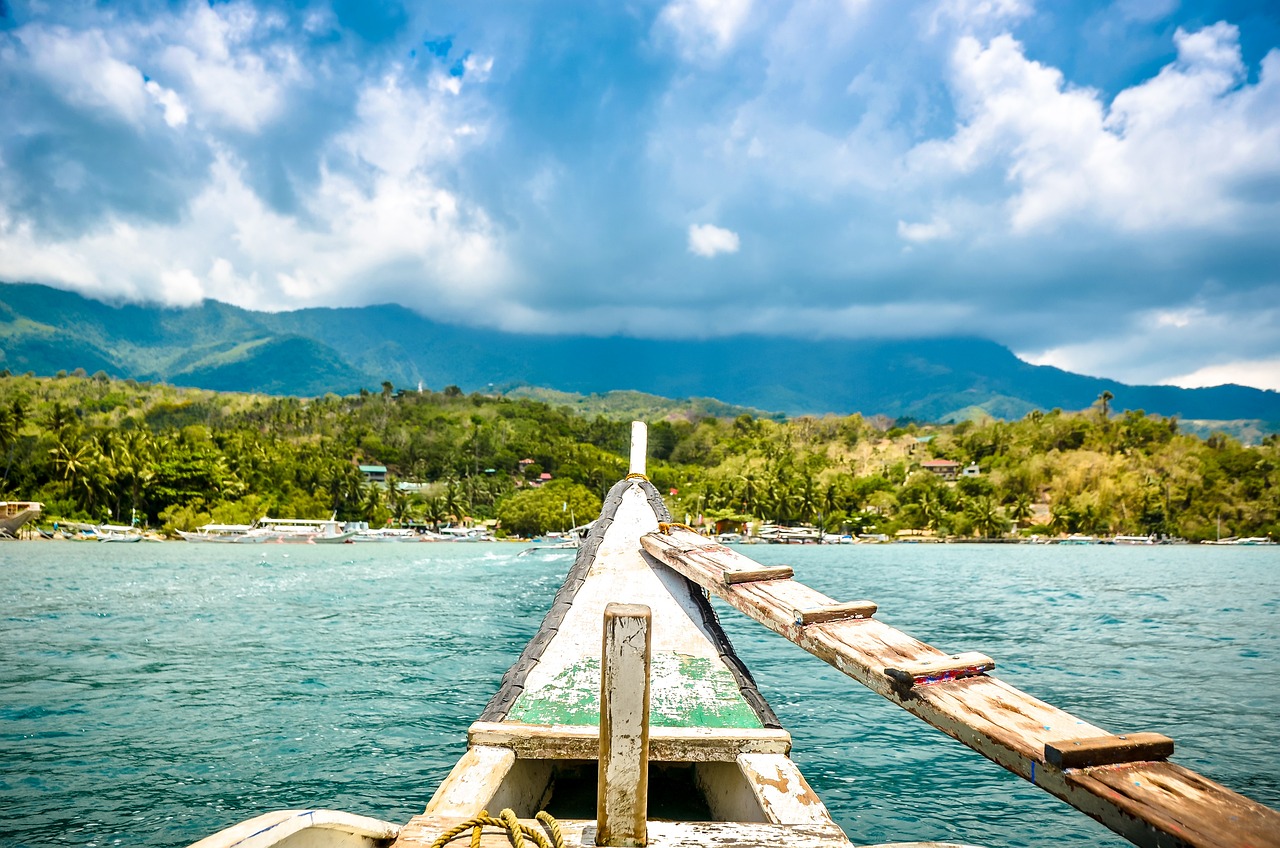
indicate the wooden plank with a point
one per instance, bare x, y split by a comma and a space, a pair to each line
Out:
475, 779
422, 831
666, 744
828, 613
1188, 806
782, 792
939, 670
1108, 750
754, 575
999, 721
622, 793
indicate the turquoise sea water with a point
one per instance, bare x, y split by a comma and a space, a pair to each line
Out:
152, 694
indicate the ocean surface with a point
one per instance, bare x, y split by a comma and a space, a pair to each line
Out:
152, 694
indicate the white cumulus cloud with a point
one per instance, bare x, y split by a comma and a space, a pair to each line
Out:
708, 240
1173, 151
705, 27
1263, 374
923, 232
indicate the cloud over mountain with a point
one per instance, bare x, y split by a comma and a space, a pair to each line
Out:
1096, 185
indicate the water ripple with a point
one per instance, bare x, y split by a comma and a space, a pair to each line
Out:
152, 697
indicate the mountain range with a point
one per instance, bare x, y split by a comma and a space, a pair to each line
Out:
314, 351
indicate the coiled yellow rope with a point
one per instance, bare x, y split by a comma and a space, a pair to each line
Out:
665, 527
516, 832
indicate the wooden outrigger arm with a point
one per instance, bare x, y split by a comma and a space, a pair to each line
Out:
1123, 781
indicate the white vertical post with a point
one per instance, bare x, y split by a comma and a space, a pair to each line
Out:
639, 446
622, 799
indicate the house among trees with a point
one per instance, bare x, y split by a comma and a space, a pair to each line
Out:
374, 473
946, 469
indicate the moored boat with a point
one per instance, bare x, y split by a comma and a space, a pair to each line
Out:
119, 533
385, 534
217, 533
635, 723
14, 514
300, 531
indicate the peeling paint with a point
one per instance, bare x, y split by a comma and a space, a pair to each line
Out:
685, 691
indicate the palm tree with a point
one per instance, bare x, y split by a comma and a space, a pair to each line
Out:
10, 426
1020, 509
59, 418
987, 520
452, 500
435, 512
932, 509
69, 458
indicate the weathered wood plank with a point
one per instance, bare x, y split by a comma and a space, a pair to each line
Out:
828, 613
666, 744
782, 792
475, 779
1108, 750
755, 575
1002, 723
422, 831
1181, 803
622, 794
938, 670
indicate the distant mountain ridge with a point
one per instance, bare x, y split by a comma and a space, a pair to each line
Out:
314, 351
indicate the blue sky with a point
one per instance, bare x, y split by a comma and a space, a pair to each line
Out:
1094, 184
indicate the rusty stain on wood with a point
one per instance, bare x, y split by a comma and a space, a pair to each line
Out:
1108, 750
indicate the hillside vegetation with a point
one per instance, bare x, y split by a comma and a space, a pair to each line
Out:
310, 352
95, 448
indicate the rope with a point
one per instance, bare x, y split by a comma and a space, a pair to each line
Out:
665, 527
634, 476
507, 821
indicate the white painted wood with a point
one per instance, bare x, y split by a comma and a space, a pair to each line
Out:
666, 744
471, 784
639, 446
622, 572
728, 796
422, 831
303, 829
526, 788
622, 800
782, 792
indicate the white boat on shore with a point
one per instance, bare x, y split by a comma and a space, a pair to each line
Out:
465, 534
297, 531
385, 534
119, 533
216, 533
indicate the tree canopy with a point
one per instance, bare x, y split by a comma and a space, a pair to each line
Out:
95, 449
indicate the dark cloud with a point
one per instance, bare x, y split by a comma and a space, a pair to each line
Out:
869, 171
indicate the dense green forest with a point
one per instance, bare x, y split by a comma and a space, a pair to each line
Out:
92, 448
